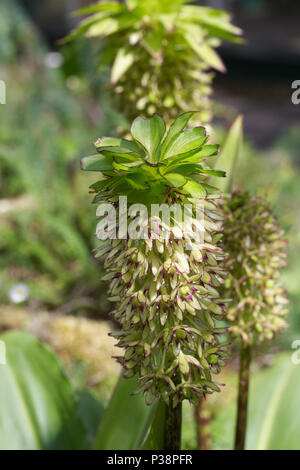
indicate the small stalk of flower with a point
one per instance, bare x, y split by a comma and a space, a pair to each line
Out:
166, 289
256, 253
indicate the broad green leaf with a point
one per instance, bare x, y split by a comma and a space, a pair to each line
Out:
194, 189
38, 407
273, 415
90, 410
185, 141
149, 133
96, 162
122, 63
155, 438
229, 155
176, 127
126, 420
175, 179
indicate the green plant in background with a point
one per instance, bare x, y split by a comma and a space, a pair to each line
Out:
160, 52
44, 234
166, 289
256, 253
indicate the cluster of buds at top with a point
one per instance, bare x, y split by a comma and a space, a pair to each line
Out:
256, 253
161, 53
166, 287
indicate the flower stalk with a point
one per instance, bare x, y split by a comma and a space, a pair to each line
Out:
243, 392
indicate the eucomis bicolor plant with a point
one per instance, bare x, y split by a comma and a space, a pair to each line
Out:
256, 251
166, 288
161, 53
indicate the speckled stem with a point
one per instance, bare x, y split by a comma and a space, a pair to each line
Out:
203, 418
241, 423
173, 420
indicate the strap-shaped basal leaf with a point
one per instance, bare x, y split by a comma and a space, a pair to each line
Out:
186, 141
123, 61
126, 420
229, 156
38, 407
176, 127
149, 133
273, 410
96, 162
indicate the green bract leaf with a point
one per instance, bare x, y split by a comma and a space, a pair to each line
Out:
152, 41
149, 133
189, 168
196, 155
96, 162
176, 127
100, 7
85, 25
185, 141
120, 152
194, 189
115, 142
207, 54
176, 179
122, 63
102, 28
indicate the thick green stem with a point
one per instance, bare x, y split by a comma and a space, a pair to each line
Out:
241, 423
172, 428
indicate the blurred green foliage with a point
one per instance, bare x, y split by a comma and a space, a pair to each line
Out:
46, 233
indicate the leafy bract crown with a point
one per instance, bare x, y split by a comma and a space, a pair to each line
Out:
155, 162
148, 25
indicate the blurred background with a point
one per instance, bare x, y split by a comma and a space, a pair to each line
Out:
57, 105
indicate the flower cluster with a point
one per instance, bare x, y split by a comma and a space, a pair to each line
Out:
256, 252
166, 287
161, 53
168, 304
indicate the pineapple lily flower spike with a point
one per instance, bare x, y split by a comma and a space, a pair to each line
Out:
161, 53
256, 249
166, 288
